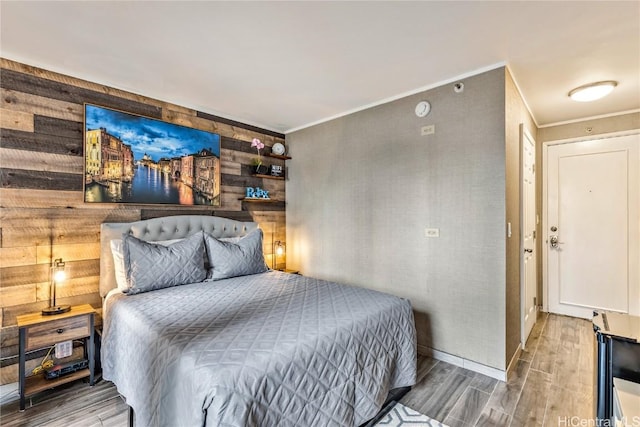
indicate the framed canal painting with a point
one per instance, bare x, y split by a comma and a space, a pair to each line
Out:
135, 159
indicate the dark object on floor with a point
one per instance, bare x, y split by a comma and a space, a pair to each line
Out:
618, 356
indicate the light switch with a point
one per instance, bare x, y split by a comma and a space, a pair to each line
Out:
428, 130
431, 232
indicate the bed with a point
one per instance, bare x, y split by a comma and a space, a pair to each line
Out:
261, 349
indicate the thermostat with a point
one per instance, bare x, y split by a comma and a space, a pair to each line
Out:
423, 108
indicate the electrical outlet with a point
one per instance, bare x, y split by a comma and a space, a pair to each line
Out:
428, 130
431, 232
64, 349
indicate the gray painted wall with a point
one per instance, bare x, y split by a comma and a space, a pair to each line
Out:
600, 126
362, 189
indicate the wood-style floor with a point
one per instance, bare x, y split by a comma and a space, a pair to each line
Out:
552, 381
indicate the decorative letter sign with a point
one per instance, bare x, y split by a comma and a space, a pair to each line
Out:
256, 193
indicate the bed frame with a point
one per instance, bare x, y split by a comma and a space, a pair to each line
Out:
164, 228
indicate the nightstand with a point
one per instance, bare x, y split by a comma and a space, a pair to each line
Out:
38, 331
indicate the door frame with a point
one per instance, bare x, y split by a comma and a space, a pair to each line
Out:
542, 245
524, 133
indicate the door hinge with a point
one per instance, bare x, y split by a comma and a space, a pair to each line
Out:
535, 301
534, 234
533, 168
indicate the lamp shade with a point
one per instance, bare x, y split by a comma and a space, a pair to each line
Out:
59, 275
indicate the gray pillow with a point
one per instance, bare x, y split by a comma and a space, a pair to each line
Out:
118, 261
228, 259
150, 266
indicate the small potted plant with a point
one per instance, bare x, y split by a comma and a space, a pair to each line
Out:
257, 162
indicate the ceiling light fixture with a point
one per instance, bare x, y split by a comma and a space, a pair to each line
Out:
592, 91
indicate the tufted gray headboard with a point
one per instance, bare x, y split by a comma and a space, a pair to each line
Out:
165, 228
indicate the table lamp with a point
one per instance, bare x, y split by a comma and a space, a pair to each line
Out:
58, 275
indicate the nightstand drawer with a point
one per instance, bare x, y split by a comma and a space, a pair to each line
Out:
49, 333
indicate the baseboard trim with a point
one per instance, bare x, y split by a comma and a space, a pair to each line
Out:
463, 363
514, 360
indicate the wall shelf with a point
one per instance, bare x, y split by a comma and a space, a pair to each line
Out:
258, 200
268, 176
277, 156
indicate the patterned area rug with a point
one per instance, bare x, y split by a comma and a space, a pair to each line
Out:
400, 415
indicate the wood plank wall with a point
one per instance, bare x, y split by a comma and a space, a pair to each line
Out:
42, 214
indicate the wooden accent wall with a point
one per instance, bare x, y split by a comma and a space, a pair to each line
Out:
42, 213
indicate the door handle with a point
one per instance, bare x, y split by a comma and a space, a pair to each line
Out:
553, 241
529, 251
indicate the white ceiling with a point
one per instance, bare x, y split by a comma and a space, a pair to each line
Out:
286, 65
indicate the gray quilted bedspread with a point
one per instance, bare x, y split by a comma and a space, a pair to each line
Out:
269, 349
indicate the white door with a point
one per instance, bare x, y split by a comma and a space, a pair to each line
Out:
592, 227
528, 285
